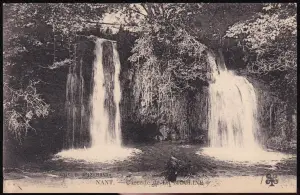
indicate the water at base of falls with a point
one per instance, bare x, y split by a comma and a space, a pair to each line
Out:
245, 156
105, 120
105, 154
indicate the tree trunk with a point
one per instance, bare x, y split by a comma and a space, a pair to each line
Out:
289, 120
273, 110
270, 125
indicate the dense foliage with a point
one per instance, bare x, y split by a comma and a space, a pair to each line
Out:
166, 67
38, 38
269, 41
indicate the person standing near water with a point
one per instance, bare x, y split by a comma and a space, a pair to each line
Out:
172, 168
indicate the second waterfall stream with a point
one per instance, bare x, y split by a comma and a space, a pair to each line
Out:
232, 117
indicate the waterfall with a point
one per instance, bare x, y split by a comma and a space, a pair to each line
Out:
117, 94
233, 109
103, 110
99, 116
104, 119
75, 109
232, 118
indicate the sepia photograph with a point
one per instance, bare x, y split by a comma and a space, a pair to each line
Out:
149, 97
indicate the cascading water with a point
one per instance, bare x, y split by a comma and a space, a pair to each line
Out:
232, 117
105, 120
233, 126
99, 116
75, 108
103, 131
117, 94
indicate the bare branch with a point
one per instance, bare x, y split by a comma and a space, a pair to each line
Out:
136, 11
113, 24
144, 6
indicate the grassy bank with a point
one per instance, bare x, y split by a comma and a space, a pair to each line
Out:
153, 161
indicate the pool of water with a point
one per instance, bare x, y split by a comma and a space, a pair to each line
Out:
246, 156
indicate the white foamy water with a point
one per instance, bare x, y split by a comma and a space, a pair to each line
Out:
232, 113
117, 94
245, 156
99, 122
101, 153
232, 119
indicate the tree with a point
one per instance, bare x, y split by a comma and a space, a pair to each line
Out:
269, 42
169, 61
39, 38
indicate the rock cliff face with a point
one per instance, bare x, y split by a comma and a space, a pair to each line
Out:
78, 90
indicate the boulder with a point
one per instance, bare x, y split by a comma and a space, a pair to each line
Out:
164, 130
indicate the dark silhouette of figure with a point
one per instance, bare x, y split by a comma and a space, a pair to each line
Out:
172, 169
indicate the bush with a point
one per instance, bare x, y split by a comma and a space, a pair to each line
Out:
281, 144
